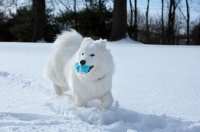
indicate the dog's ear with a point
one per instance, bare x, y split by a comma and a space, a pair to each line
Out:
102, 43
86, 41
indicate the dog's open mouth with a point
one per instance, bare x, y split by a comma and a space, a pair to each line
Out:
90, 68
82, 68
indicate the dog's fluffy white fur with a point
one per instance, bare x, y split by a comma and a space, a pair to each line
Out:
70, 47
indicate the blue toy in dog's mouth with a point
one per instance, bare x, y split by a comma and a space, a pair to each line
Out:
82, 68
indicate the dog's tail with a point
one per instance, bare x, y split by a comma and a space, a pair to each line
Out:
64, 47
69, 38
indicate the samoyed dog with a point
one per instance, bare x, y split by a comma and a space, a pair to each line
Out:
82, 65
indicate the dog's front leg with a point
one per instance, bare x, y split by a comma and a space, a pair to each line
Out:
106, 100
58, 89
80, 102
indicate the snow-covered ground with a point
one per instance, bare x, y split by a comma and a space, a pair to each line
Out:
155, 88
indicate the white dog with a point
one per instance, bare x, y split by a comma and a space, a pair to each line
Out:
82, 65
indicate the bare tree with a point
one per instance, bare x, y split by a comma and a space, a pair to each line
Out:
171, 20
136, 33
39, 20
188, 23
75, 15
130, 19
119, 21
162, 22
147, 22
131, 11
60, 5
100, 5
6, 5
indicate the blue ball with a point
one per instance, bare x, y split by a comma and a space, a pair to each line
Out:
81, 68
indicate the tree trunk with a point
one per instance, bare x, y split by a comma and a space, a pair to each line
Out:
170, 32
162, 21
171, 21
39, 19
147, 22
100, 5
136, 32
130, 31
131, 10
188, 23
119, 21
75, 15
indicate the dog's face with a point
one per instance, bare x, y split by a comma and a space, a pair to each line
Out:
95, 55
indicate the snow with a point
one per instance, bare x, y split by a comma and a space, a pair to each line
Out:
41, 41
155, 88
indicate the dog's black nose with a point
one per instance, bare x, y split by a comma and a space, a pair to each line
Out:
82, 62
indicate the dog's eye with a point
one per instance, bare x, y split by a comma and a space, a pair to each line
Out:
82, 53
92, 55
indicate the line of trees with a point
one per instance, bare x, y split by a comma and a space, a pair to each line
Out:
36, 20
172, 26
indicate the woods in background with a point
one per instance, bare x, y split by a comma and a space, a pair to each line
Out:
42, 20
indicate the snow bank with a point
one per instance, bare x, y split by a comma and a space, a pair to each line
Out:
155, 88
